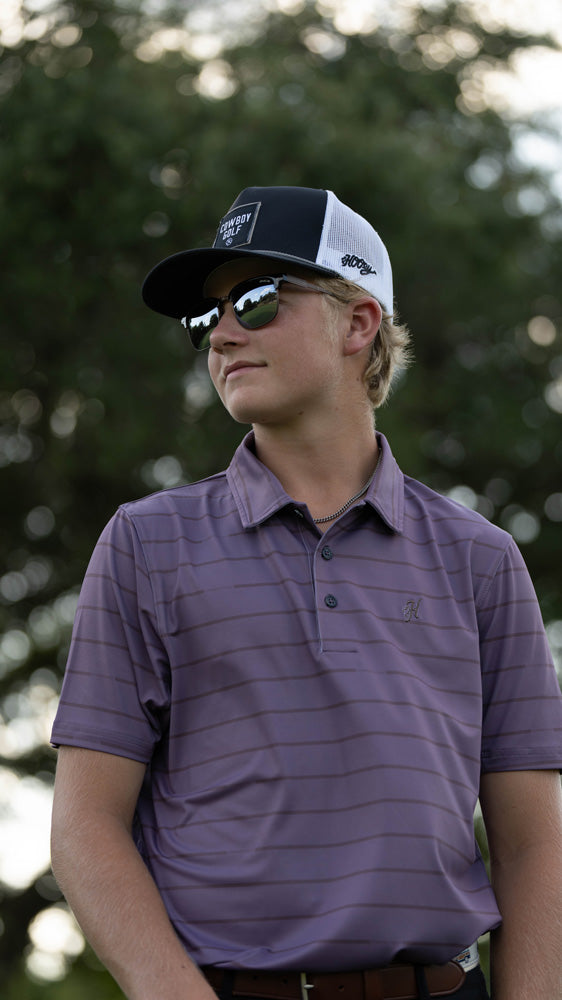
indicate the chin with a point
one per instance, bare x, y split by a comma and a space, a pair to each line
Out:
245, 412
242, 416
253, 411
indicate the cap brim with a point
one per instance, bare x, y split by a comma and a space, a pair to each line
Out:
176, 283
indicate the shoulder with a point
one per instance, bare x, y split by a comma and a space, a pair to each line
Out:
214, 488
208, 500
157, 522
463, 537
449, 518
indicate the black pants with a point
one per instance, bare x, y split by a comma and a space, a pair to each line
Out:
473, 988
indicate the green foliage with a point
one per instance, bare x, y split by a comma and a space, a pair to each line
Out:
109, 163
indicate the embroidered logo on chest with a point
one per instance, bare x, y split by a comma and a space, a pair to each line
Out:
411, 610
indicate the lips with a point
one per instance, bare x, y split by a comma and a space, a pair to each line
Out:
238, 365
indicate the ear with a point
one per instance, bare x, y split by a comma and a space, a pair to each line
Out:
364, 325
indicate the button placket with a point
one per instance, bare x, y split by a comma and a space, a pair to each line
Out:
328, 599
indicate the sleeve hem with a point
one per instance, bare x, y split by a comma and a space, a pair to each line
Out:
531, 759
133, 749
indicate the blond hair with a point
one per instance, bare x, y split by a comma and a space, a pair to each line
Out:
390, 351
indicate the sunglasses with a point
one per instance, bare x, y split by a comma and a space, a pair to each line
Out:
255, 303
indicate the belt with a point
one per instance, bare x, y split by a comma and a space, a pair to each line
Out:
393, 982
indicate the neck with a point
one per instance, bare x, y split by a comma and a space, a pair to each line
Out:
323, 470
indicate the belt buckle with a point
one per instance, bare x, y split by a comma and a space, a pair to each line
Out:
305, 986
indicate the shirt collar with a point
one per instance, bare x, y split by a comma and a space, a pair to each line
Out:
258, 493
386, 492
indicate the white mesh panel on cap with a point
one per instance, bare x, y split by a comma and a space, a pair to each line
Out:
350, 246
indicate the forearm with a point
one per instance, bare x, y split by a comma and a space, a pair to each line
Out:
119, 908
526, 957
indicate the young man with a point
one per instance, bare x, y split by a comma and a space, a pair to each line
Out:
290, 683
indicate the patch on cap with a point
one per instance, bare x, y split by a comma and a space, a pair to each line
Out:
237, 226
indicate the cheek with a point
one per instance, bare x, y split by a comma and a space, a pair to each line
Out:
213, 366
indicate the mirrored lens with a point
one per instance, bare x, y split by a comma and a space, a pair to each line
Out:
257, 306
201, 327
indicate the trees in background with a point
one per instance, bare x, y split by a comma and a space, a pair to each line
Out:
120, 146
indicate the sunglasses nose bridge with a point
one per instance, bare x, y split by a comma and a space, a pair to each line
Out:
227, 329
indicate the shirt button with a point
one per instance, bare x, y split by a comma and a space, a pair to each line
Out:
330, 601
327, 552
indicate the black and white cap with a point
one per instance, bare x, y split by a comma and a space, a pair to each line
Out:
292, 225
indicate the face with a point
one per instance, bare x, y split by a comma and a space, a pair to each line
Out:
284, 374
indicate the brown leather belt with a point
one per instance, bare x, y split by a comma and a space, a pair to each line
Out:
394, 982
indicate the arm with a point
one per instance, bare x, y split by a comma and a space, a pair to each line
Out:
106, 882
522, 812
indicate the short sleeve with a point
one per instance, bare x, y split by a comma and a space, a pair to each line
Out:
115, 693
522, 702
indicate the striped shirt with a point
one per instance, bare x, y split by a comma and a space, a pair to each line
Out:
314, 711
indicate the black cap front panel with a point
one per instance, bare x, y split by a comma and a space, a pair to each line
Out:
279, 222
282, 220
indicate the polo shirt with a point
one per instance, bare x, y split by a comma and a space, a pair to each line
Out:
314, 711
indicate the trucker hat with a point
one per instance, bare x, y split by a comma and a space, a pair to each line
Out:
308, 227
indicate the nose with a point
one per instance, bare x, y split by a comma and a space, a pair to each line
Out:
227, 331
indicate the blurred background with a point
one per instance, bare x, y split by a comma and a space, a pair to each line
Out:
127, 129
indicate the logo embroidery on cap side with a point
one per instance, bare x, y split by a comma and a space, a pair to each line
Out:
237, 226
350, 260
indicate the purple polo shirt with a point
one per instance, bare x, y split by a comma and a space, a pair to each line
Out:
314, 711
